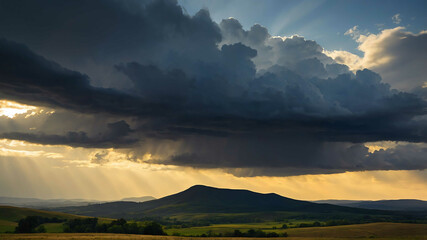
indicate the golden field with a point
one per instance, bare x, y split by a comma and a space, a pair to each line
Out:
379, 231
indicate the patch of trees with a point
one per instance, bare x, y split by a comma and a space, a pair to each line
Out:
81, 225
87, 225
339, 222
33, 224
315, 224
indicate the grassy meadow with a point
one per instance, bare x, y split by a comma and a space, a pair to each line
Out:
9, 216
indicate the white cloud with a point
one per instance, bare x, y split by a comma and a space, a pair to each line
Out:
396, 18
353, 61
397, 55
354, 32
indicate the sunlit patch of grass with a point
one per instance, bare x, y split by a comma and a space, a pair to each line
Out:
54, 227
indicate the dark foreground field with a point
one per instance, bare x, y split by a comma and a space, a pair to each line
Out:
106, 236
385, 231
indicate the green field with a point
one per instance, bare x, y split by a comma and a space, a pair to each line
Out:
237, 217
7, 226
9, 217
223, 228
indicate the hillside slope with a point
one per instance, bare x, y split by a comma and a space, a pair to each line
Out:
14, 214
9, 216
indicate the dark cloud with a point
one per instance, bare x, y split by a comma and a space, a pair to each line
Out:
200, 94
116, 135
30, 78
102, 29
93, 36
292, 155
152, 82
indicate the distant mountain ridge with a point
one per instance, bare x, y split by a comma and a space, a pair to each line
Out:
38, 203
392, 205
209, 200
45, 203
138, 199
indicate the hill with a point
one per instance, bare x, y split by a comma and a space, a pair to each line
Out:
14, 214
138, 199
45, 203
393, 205
38, 203
200, 202
204, 199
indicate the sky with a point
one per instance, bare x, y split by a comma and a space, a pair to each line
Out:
308, 99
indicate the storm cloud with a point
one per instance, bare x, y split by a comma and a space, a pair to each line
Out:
27, 77
195, 93
116, 135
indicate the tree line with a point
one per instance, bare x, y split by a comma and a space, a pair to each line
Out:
91, 225
33, 224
